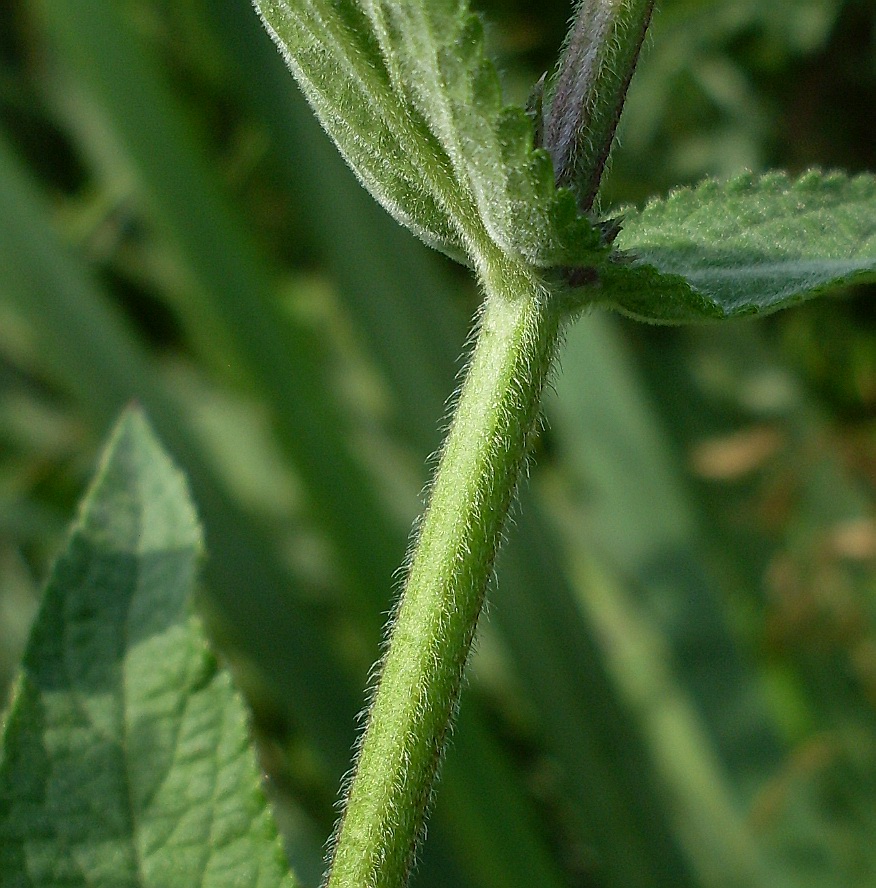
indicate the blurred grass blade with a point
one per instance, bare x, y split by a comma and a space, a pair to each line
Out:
126, 756
121, 109
643, 521
616, 799
643, 527
82, 346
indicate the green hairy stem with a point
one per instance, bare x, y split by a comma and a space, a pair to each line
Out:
459, 168
436, 618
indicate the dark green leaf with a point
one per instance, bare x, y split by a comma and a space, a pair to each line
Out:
126, 758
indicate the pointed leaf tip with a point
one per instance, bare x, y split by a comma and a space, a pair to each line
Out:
139, 501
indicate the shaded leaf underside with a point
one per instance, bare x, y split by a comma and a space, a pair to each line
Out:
407, 93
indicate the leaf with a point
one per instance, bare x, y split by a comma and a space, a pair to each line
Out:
407, 93
125, 757
750, 246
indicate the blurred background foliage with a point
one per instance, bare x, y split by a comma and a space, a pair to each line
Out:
676, 682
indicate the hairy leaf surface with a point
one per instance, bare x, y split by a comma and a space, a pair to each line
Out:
749, 246
406, 91
125, 759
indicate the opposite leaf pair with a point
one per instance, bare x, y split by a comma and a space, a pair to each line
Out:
406, 91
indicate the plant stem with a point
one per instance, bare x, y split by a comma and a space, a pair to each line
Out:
595, 69
436, 618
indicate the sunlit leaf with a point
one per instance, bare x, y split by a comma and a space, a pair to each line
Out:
749, 246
